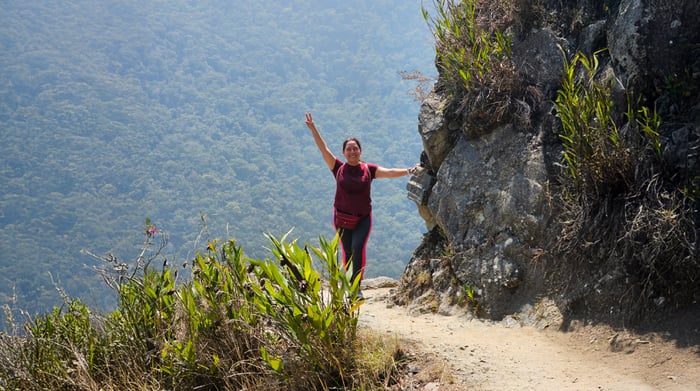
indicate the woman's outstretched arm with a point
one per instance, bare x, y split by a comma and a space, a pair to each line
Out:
394, 172
328, 156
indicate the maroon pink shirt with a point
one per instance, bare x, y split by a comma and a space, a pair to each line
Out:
353, 187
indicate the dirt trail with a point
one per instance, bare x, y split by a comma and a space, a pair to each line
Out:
486, 355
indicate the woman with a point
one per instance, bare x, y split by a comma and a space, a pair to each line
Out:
352, 208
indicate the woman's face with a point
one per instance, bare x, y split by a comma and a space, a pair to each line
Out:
352, 152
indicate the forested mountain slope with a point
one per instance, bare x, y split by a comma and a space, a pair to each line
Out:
114, 112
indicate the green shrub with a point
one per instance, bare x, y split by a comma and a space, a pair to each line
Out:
63, 347
237, 323
318, 321
596, 156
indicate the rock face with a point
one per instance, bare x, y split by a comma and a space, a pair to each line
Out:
489, 210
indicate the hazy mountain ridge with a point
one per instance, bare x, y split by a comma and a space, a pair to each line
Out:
116, 112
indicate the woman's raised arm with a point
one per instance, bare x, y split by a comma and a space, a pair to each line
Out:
328, 156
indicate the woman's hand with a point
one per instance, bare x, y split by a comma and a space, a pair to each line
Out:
394, 172
414, 169
328, 156
310, 121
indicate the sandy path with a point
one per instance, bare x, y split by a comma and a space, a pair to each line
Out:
490, 356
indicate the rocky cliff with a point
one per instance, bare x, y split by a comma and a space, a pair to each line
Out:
500, 232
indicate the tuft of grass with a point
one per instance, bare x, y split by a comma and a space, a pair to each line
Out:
593, 153
469, 44
381, 358
469, 296
473, 46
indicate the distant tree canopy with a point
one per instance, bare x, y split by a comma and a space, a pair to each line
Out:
114, 112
